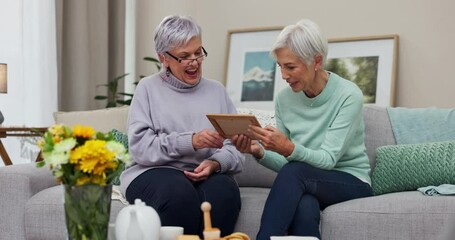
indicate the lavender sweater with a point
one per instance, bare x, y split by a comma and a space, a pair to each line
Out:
163, 116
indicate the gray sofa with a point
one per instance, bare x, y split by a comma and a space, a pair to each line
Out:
31, 203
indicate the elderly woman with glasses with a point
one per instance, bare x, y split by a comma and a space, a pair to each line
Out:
179, 160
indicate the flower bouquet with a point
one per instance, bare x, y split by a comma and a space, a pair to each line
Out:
86, 162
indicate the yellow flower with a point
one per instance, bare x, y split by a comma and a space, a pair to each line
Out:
41, 143
80, 156
92, 154
58, 133
97, 179
82, 180
83, 132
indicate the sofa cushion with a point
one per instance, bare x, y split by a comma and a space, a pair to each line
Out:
103, 120
378, 130
406, 167
253, 201
404, 215
254, 174
120, 137
123, 139
45, 214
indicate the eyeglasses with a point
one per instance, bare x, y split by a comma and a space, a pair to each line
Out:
187, 61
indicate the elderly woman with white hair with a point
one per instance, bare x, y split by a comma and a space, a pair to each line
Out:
179, 160
318, 146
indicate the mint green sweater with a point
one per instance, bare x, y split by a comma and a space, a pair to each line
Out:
327, 130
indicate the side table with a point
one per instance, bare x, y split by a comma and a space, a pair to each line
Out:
18, 132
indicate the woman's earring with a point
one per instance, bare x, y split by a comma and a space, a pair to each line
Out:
168, 72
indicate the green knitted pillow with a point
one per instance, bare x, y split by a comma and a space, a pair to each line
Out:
123, 139
407, 167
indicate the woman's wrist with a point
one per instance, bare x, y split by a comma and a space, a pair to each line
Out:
217, 165
260, 152
289, 149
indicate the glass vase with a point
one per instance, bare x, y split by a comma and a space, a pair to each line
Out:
87, 211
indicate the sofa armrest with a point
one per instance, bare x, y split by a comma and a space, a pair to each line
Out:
18, 183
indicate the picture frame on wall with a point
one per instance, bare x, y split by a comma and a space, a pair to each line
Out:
253, 80
370, 62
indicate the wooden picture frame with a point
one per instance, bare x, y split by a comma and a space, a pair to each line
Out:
228, 125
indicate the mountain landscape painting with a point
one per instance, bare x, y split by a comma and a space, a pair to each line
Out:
258, 77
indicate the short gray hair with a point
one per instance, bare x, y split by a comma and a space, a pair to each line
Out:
304, 39
175, 31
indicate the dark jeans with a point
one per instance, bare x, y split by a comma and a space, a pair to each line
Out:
299, 193
178, 200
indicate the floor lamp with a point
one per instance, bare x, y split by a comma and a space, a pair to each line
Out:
3, 85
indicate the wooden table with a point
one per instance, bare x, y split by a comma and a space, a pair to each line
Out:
18, 132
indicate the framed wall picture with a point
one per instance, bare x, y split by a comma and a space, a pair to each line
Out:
370, 62
252, 78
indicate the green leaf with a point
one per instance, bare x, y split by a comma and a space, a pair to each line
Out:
123, 102
100, 97
41, 164
126, 94
151, 59
120, 77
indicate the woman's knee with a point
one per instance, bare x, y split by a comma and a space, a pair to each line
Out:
290, 172
220, 188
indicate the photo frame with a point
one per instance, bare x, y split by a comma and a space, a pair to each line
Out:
370, 62
228, 125
252, 79
247, 73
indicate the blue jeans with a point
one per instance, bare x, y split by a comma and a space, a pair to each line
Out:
299, 193
177, 200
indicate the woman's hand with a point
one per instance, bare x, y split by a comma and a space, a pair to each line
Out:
207, 139
272, 139
203, 171
246, 145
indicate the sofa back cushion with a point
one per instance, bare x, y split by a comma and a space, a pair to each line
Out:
103, 120
378, 130
254, 174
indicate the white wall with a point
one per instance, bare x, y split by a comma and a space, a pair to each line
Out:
27, 45
425, 28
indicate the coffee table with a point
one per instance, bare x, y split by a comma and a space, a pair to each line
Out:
18, 132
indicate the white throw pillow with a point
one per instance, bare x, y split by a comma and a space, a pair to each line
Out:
103, 120
265, 117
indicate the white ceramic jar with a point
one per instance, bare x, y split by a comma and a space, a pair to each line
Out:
137, 222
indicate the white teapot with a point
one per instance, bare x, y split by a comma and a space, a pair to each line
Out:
137, 222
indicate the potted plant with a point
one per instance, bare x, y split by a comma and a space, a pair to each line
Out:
115, 98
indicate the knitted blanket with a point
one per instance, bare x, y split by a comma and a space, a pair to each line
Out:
419, 125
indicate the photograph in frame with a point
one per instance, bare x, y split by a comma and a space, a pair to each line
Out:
258, 77
370, 62
251, 78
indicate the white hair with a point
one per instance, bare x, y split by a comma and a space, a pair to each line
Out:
304, 39
175, 31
